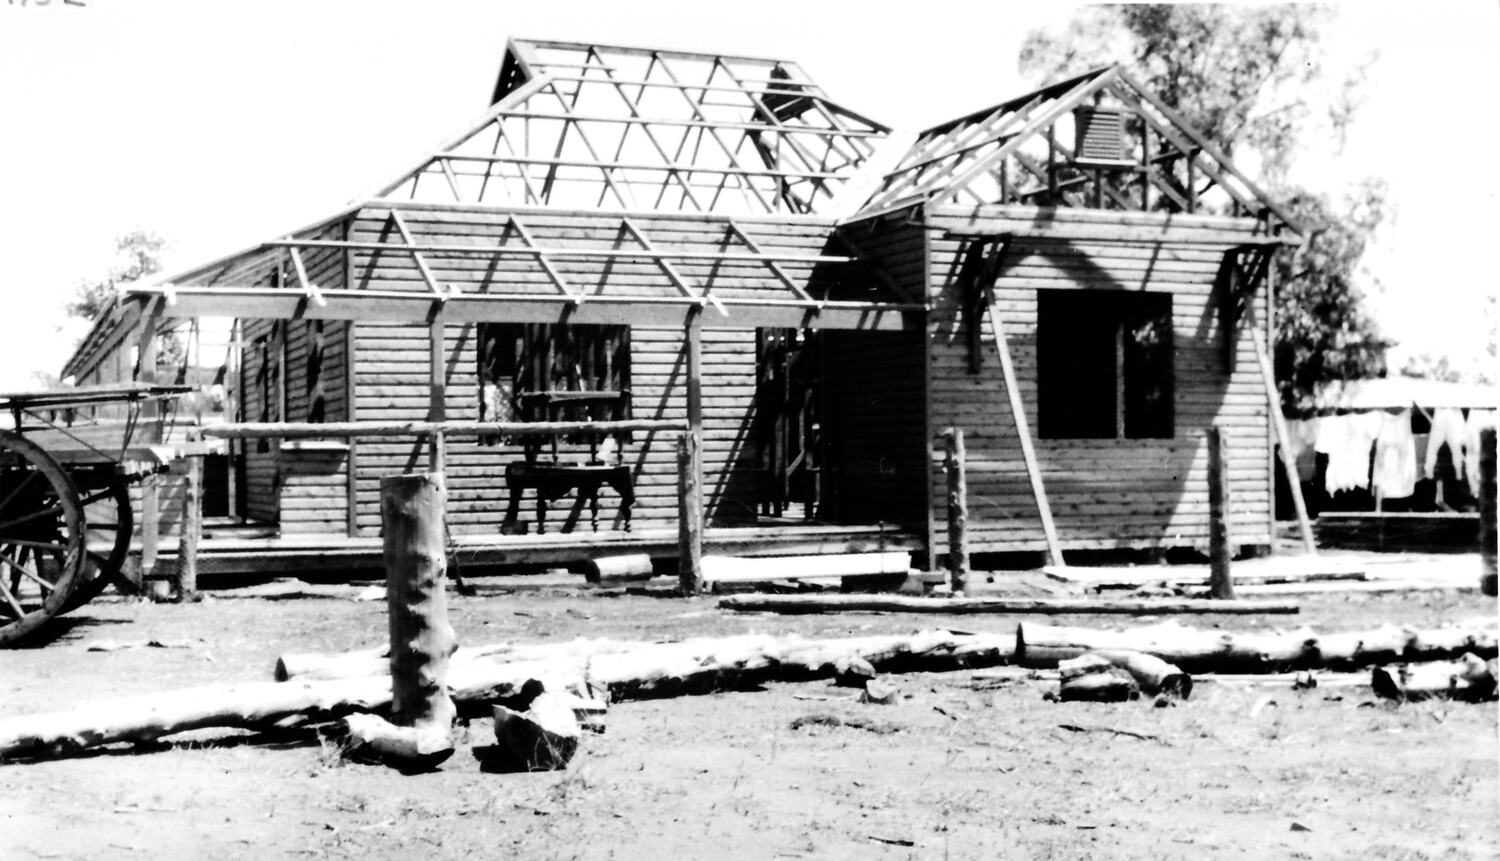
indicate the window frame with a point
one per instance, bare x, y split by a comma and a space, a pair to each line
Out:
1086, 358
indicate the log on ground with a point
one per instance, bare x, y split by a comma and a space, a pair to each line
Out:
792, 604
647, 670
1470, 679
1200, 651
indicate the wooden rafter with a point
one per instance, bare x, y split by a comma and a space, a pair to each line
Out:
597, 121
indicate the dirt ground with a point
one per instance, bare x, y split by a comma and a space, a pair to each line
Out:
961, 767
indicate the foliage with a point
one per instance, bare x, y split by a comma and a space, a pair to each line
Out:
1240, 75
1252, 80
138, 256
1323, 333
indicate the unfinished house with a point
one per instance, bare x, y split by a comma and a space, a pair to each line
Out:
663, 239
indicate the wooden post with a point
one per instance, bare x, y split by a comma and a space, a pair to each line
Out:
689, 516
1023, 430
1283, 443
958, 510
1487, 530
422, 640
1220, 584
150, 526
191, 530
437, 395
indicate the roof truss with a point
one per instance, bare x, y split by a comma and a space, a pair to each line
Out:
1017, 152
580, 125
254, 284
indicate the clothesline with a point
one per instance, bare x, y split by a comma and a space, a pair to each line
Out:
1377, 449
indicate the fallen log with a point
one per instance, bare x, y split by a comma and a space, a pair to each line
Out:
646, 670
758, 569
1154, 675
1469, 679
376, 661
1109, 686
1199, 651
614, 569
792, 604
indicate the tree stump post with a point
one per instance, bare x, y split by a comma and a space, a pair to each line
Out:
689, 516
422, 640
1487, 530
1220, 550
192, 530
958, 509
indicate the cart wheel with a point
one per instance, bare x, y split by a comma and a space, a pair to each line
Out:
41, 537
108, 526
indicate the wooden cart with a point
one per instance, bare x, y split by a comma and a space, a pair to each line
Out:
66, 466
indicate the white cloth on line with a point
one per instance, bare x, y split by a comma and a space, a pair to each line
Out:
1395, 470
1347, 440
1302, 438
1448, 428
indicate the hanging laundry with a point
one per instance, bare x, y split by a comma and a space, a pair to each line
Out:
1448, 428
1347, 440
1302, 445
1478, 420
1395, 470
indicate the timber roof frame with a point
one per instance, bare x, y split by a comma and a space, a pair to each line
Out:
581, 124
981, 158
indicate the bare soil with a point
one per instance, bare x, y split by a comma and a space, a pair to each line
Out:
961, 767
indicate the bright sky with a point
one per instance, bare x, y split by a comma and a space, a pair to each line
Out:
221, 125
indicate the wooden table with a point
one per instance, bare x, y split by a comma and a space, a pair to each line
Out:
553, 481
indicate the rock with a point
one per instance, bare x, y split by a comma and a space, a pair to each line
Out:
879, 693
544, 737
853, 672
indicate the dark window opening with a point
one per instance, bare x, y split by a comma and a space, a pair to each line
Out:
1104, 365
533, 372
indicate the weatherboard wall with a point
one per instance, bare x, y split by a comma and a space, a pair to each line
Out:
1109, 493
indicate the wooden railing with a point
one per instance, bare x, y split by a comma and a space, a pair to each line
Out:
689, 484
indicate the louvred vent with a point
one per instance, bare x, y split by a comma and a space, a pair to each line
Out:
1100, 136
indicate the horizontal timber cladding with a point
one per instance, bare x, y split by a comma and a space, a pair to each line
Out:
391, 383
1104, 493
261, 400
294, 370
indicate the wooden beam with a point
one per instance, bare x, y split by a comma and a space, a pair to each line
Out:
309, 289
532, 250
794, 604
689, 514
1220, 536
955, 464
1023, 432
661, 311
1283, 442
437, 393
331, 430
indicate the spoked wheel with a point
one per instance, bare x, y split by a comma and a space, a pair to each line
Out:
41, 537
108, 527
